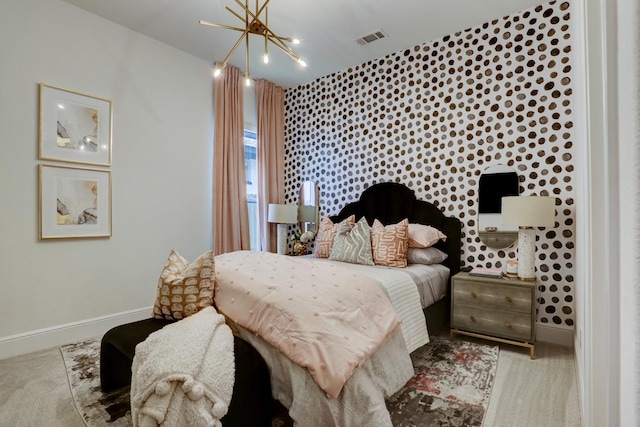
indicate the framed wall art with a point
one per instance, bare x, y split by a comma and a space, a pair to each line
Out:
74, 127
74, 202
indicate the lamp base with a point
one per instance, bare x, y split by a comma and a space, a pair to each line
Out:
527, 254
282, 239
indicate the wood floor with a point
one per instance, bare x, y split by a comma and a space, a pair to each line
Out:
526, 393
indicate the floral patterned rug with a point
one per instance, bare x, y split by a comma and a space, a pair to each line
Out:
451, 387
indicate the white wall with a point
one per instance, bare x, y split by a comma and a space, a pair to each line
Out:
608, 360
57, 291
628, 26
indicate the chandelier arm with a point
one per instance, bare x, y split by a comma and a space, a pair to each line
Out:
262, 7
246, 9
235, 46
233, 12
226, 27
278, 42
291, 55
282, 46
246, 59
246, 52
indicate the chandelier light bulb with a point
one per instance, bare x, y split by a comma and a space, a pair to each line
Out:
295, 41
265, 58
247, 81
217, 72
302, 63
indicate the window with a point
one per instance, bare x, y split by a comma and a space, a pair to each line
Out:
251, 171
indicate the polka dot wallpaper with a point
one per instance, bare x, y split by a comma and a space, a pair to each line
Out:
434, 116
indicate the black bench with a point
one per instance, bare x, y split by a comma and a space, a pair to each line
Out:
251, 402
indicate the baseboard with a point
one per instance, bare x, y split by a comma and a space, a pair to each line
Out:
553, 335
54, 336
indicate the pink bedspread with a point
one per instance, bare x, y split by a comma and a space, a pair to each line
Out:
324, 318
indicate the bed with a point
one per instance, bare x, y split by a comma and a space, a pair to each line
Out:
390, 202
319, 377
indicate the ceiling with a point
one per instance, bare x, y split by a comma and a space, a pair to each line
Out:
328, 29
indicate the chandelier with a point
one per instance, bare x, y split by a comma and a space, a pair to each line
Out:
253, 24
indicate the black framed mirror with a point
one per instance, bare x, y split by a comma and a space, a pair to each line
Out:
496, 182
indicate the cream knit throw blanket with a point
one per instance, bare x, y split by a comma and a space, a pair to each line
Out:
183, 374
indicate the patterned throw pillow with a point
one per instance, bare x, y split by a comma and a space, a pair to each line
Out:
424, 236
326, 232
353, 244
390, 243
183, 288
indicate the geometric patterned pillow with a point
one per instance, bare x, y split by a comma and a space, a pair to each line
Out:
326, 233
183, 288
353, 244
390, 243
424, 236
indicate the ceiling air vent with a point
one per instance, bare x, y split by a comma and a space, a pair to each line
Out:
370, 38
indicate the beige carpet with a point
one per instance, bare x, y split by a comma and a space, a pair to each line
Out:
540, 392
34, 391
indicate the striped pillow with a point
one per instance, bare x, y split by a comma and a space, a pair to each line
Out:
326, 233
353, 244
390, 243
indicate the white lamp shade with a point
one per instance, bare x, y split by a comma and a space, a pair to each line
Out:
307, 213
283, 214
529, 211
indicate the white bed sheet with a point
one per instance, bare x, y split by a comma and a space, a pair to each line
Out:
431, 281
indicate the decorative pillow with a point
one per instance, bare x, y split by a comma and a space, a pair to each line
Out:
183, 288
353, 244
425, 256
326, 232
390, 243
424, 236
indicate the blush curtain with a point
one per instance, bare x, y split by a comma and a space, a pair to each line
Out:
230, 211
270, 110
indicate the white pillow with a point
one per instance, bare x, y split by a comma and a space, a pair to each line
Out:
425, 256
424, 236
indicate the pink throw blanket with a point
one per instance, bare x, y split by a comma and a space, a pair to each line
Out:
324, 318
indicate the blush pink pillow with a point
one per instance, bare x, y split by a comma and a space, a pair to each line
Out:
424, 236
390, 243
326, 233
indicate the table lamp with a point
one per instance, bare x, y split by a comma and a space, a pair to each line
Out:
282, 215
528, 212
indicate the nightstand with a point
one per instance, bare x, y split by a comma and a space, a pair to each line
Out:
502, 310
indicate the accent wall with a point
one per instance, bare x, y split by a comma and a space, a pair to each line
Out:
434, 116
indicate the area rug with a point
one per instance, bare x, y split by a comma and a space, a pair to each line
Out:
82, 360
451, 386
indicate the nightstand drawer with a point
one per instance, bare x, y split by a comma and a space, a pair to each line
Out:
507, 297
500, 323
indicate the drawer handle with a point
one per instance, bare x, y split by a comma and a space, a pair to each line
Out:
507, 299
507, 324
473, 295
473, 319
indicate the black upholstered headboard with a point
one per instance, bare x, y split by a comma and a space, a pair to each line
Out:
390, 202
